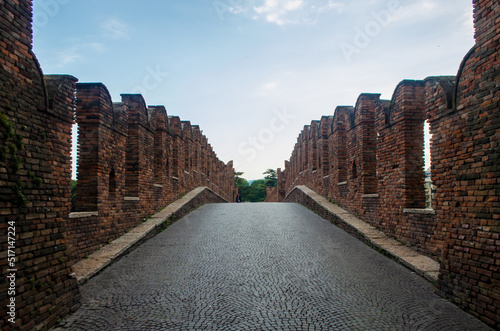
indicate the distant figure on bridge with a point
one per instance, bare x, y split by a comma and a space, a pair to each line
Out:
238, 199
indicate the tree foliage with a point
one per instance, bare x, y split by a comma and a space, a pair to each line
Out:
271, 178
239, 181
254, 192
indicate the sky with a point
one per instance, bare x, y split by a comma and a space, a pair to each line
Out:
251, 73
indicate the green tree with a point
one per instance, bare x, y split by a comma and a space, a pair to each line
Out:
255, 192
242, 185
239, 181
271, 178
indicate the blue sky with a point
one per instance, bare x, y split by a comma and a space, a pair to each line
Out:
251, 73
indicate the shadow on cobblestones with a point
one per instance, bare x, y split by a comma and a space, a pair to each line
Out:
260, 267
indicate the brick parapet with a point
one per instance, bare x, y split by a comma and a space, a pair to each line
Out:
277, 194
134, 173
94, 113
463, 229
371, 172
400, 163
117, 142
365, 147
468, 192
36, 116
325, 134
338, 150
162, 154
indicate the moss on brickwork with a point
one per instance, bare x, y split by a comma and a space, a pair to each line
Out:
34, 175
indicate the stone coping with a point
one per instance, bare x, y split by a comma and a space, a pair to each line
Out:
427, 211
369, 196
97, 261
419, 263
83, 214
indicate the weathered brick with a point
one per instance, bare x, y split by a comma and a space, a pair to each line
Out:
463, 114
125, 151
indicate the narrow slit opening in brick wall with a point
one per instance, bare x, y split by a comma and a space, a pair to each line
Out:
74, 158
428, 184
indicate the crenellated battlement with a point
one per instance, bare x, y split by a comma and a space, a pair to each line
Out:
133, 160
373, 166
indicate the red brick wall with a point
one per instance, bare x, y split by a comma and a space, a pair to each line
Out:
36, 115
467, 172
276, 194
440, 99
272, 194
133, 161
338, 151
126, 170
375, 160
103, 177
400, 163
324, 156
376, 164
163, 155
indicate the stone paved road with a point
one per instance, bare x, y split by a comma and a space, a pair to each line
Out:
260, 267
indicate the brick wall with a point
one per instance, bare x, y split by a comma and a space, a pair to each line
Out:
400, 163
374, 163
276, 194
133, 161
324, 154
467, 172
36, 115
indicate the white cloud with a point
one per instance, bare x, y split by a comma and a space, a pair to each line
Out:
276, 11
95, 46
269, 5
339, 6
421, 11
428, 5
270, 86
237, 10
275, 18
267, 89
68, 56
115, 29
282, 12
77, 53
293, 5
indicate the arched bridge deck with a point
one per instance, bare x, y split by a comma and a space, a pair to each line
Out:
275, 266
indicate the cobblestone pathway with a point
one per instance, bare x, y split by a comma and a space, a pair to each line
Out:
260, 267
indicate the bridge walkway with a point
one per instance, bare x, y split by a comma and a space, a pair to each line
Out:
267, 266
